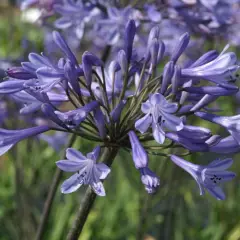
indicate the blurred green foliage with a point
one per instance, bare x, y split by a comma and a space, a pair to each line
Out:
177, 211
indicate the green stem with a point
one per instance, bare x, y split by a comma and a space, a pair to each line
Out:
88, 199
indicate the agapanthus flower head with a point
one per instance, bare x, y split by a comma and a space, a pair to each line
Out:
128, 102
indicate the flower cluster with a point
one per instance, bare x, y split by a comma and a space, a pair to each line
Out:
103, 22
128, 103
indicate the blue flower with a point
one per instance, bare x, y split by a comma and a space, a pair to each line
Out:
30, 104
231, 123
218, 70
139, 154
225, 145
188, 143
19, 73
11, 86
209, 176
42, 74
69, 119
88, 171
112, 28
74, 14
74, 117
152, 13
8, 138
149, 179
159, 114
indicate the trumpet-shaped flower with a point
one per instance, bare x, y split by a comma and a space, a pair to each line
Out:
149, 179
159, 113
8, 138
208, 176
218, 70
225, 145
231, 123
88, 172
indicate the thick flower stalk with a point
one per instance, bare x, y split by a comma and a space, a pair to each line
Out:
127, 104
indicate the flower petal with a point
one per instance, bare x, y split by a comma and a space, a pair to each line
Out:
94, 154
71, 184
172, 122
191, 168
217, 192
74, 155
104, 169
4, 149
71, 166
219, 165
146, 106
223, 176
235, 133
170, 107
63, 23
157, 98
158, 133
98, 188
143, 123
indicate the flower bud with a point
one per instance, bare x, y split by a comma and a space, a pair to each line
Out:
129, 37
203, 102
71, 75
61, 43
88, 61
100, 122
180, 47
122, 60
19, 73
140, 157
187, 143
176, 79
11, 86
154, 52
116, 112
149, 179
167, 76
161, 51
